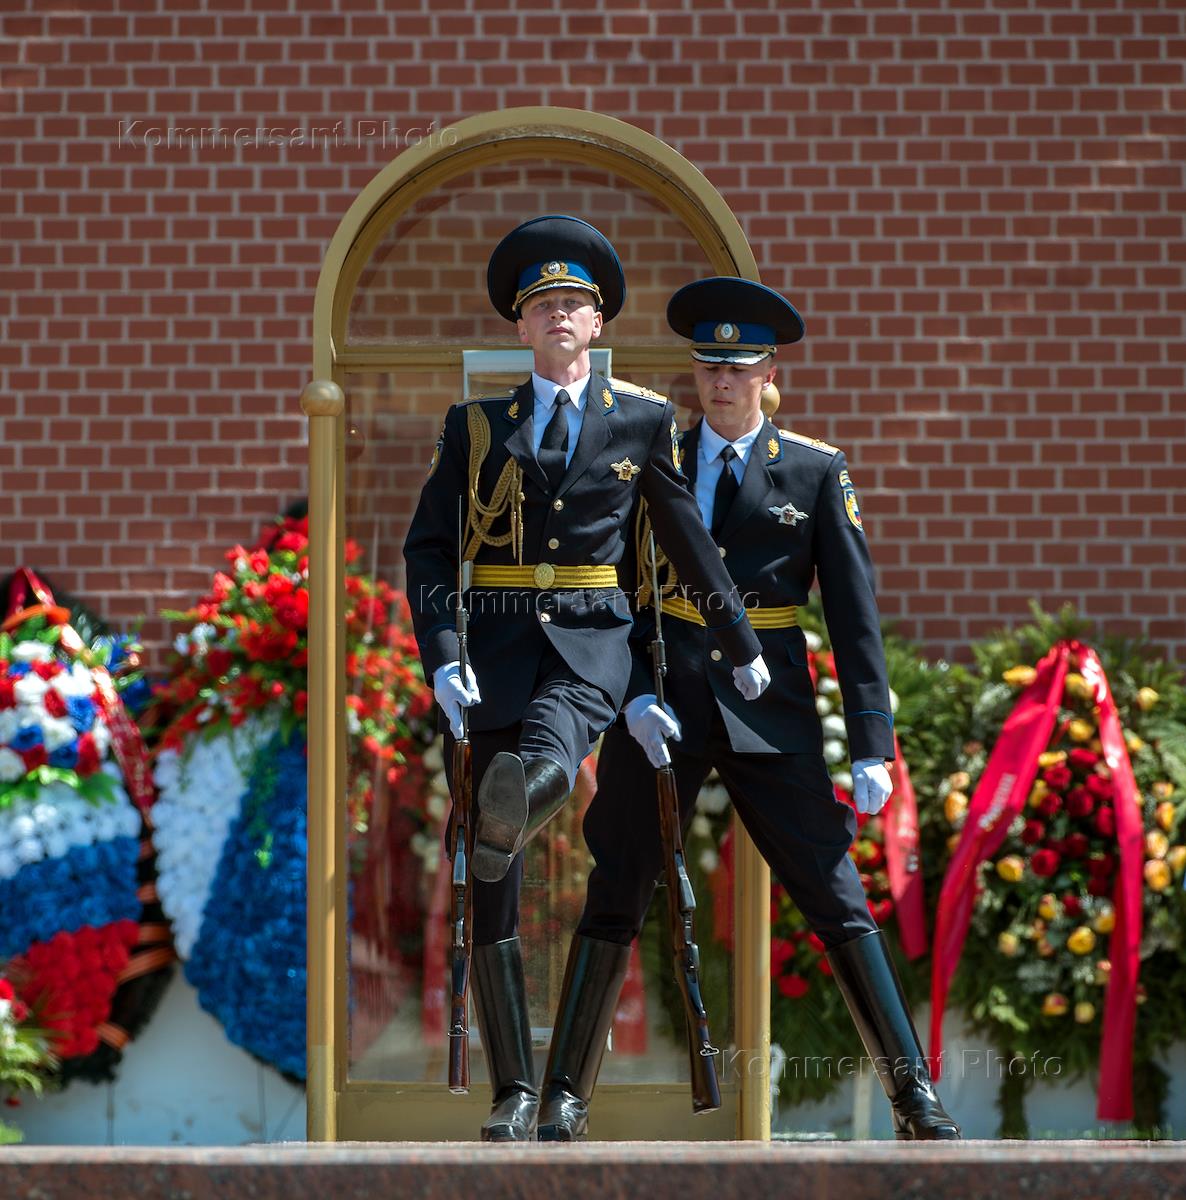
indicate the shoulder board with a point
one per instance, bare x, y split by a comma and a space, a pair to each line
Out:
789, 435
502, 394
632, 389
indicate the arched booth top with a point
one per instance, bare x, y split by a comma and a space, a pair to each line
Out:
477, 179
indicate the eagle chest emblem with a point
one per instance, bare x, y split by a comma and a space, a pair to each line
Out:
626, 470
788, 514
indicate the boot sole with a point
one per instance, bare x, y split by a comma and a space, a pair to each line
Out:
502, 818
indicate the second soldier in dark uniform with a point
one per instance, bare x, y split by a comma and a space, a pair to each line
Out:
783, 509
548, 475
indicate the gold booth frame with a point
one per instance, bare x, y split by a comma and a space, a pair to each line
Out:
339, 1108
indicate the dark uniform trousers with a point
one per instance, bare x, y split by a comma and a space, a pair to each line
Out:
794, 518
562, 721
785, 801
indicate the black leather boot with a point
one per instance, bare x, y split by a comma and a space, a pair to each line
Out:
500, 999
592, 981
515, 801
865, 974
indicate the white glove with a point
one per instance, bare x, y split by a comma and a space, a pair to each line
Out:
871, 785
452, 695
753, 679
650, 726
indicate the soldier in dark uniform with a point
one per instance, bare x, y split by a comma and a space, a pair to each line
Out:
550, 473
783, 510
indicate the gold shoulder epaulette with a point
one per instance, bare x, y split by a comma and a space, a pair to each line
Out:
502, 394
633, 389
789, 435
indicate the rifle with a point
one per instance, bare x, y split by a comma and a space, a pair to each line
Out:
681, 902
461, 913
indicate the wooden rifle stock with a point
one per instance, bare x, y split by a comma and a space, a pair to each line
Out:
681, 901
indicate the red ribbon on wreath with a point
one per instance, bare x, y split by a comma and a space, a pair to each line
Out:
1000, 796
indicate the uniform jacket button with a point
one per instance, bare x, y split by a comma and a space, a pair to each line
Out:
715, 655
722, 550
545, 617
553, 543
557, 504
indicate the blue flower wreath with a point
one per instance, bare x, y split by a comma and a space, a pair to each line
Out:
248, 964
88, 885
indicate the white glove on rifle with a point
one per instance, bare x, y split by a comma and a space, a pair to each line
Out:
650, 726
453, 695
871, 785
753, 679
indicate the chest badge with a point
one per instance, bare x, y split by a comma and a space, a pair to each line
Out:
626, 470
788, 514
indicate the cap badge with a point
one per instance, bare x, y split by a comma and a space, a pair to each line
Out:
552, 269
726, 332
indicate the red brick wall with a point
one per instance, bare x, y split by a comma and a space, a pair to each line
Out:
979, 209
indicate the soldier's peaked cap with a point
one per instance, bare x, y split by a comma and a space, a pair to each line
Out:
733, 320
551, 252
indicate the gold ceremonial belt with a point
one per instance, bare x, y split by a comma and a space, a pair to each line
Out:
545, 575
759, 618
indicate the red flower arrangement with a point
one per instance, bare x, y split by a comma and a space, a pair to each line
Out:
70, 980
247, 651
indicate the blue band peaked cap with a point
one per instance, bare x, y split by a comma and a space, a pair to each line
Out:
729, 319
555, 251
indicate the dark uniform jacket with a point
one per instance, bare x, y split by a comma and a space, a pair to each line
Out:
626, 449
795, 516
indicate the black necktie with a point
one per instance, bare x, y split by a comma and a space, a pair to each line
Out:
553, 450
727, 488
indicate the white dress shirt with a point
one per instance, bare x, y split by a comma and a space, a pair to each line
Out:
708, 468
545, 405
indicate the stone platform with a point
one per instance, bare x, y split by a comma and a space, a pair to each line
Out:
690, 1170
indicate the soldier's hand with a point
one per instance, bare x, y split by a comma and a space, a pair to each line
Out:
753, 679
453, 695
871, 785
650, 726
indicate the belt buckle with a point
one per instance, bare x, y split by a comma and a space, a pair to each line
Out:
544, 575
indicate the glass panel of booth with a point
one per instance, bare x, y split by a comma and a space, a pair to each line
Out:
398, 882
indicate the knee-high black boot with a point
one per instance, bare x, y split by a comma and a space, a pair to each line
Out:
515, 801
592, 981
865, 974
500, 999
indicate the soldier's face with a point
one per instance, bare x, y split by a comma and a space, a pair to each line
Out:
731, 395
559, 323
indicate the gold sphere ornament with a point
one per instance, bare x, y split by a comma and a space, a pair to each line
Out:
1084, 1012
1147, 698
1055, 1005
1008, 944
1019, 677
770, 399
